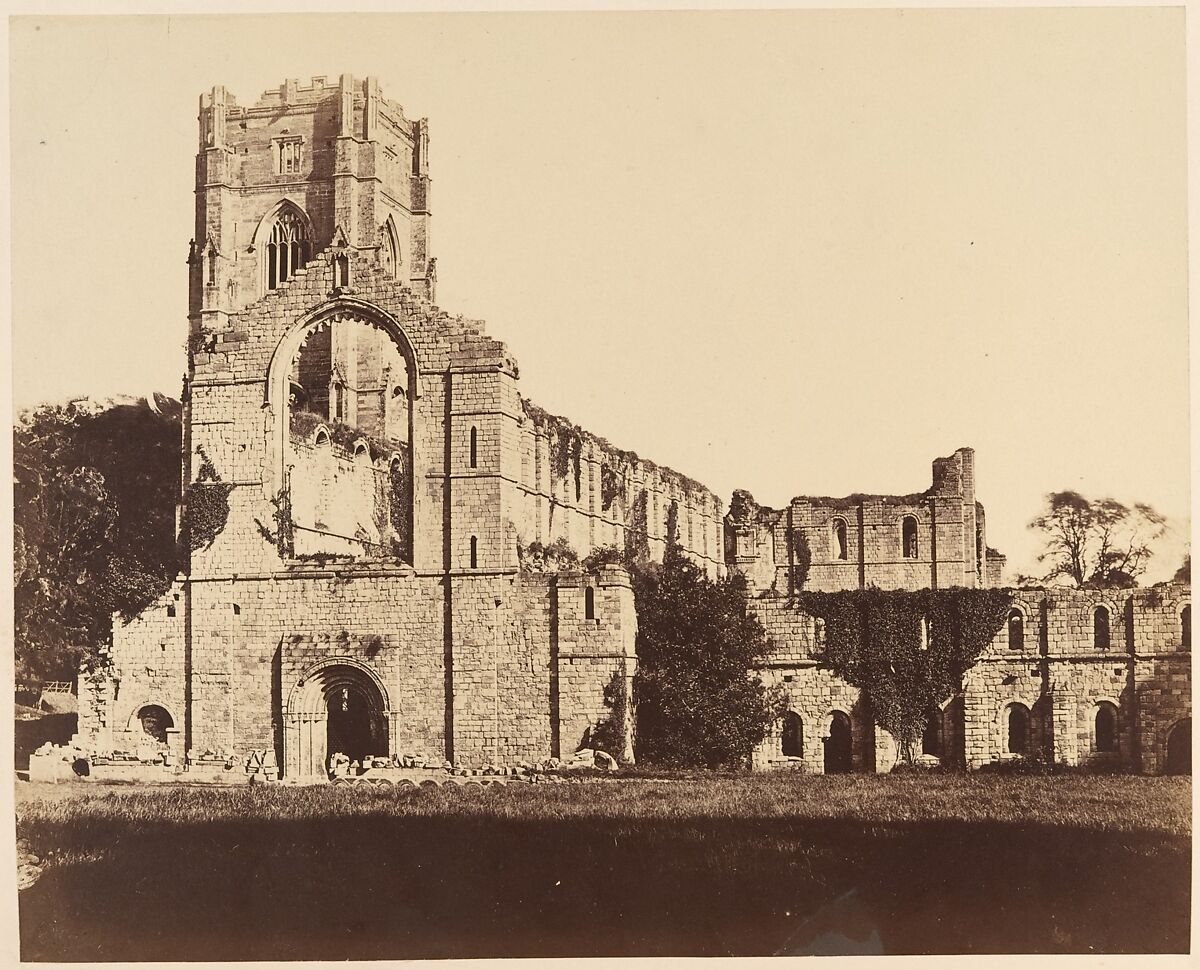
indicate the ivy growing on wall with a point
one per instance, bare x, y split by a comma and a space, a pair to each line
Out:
673, 523
281, 511
206, 507
637, 532
906, 650
612, 485
399, 502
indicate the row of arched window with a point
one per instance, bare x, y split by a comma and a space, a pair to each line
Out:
838, 746
1018, 723
1101, 628
909, 546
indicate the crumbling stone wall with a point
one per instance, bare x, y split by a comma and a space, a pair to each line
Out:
581, 489
459, 652
860, 540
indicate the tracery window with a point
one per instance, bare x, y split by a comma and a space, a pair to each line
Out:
288, 248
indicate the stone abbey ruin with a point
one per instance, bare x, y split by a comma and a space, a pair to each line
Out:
370, 501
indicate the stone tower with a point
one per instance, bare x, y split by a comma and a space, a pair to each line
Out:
276, 180
353, 466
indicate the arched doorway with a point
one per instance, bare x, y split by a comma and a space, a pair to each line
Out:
838, 757
337, 706
1179, 749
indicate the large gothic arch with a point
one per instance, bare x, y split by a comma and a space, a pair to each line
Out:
279, 369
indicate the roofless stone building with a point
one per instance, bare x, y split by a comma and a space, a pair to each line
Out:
372, 505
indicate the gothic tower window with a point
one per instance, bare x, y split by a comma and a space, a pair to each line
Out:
908, 535
288, 155
288, 247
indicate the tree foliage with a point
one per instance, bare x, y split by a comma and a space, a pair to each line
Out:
697, 698
1184, 573
907, 650
1096, 542
94, 526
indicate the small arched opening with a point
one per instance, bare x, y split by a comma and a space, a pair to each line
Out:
793, 735
1106, 728
839, 745
155, 720
1185, 626
1179, 749
908, 536
838, 540
1016, 630
1101, 628
1016, 722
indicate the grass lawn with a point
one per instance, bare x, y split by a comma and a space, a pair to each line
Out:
754, 865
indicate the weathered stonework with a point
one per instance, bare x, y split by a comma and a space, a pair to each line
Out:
1055, 672
366, 590
392, 584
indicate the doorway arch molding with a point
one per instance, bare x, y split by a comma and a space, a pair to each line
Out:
306, 714
308, 694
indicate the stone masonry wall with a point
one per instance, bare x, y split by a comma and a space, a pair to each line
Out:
576, 487
859, 540
1054, 669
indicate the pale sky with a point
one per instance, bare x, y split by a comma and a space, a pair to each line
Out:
799, 252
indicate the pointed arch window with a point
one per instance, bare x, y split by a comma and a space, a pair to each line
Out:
389, 251
288, 248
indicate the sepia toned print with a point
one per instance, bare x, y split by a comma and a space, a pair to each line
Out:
356, 651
